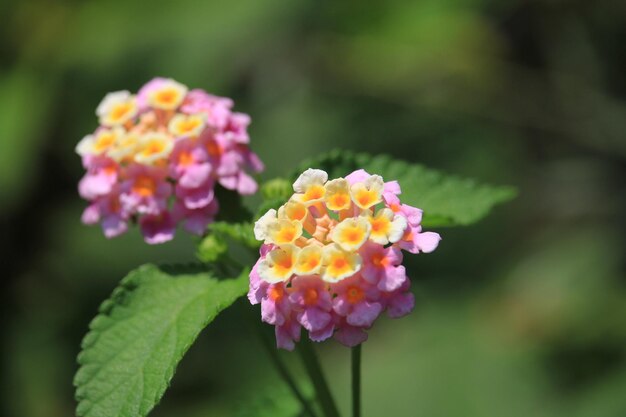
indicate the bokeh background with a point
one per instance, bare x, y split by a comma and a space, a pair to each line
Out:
522, 314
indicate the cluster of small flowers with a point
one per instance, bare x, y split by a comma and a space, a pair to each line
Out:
331, 260
156, 157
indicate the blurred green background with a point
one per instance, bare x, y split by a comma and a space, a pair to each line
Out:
523, 314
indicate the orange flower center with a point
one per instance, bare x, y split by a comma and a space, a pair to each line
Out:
214, 149
379, 225
144, 185
366, 198
339, 201
283, 265
287, 234
185, 158
355, 294
340, 263
275, 293
298, 213
310, 296
110, 169
378, 260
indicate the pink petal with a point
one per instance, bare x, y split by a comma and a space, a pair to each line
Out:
350, 336
270, 313
359, 175
427, 241
246, 184
314, 319
91, 214
392, 278
400, 305
195, 175
92, 186
157, 228
113, 226
392, 187
323, 334
364, 314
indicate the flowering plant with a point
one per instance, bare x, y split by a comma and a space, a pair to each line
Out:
156, 157
330, 252
331, 260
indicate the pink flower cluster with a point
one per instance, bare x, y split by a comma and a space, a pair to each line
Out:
331, 259
156, 157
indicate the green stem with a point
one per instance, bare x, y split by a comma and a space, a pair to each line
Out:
314, 369
284, 373
356, 381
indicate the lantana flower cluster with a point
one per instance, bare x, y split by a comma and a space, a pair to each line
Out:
331, 258
156, 157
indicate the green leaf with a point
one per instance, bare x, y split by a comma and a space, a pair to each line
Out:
141, 333
446, 200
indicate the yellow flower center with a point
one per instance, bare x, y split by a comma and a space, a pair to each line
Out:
366, 198
352, 235
120, 111
338, 201
167, 96
104, 141
188, 125
153, 147
314, 192
296, 211
283, 265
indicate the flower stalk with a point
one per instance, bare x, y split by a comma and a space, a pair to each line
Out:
314, 369
356, 380
282, 370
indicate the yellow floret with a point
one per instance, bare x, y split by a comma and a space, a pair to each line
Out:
187, 126
261, 227
351, 233
386, 226
293, 210
125, 146
153, 147
278, 264
368, 193
168, 96
338, 194
284, 231
309, 187
100, 143
309, 260
339, 264
117, 108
